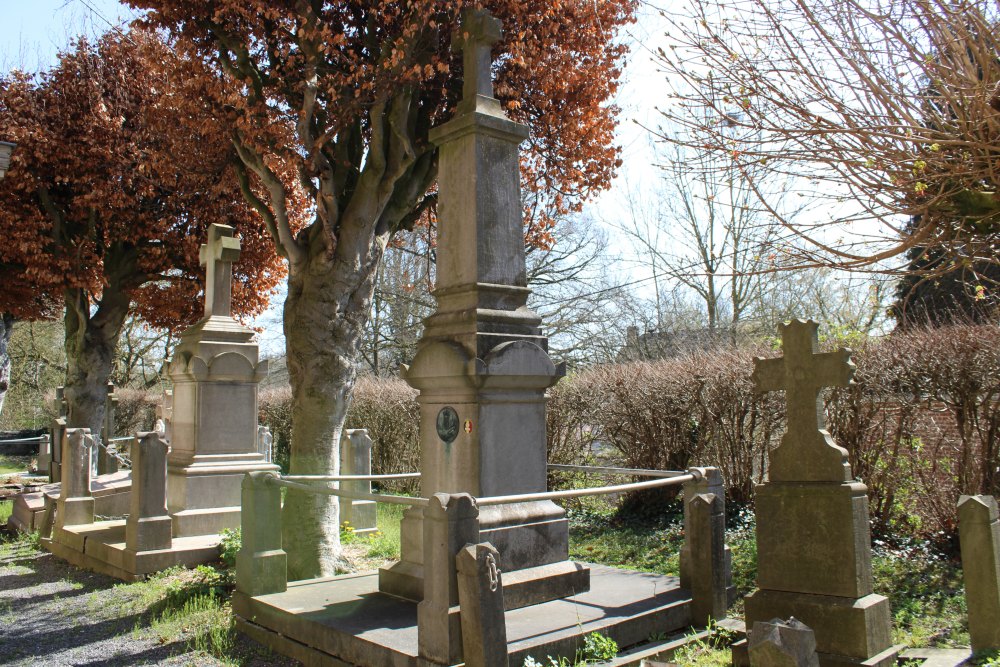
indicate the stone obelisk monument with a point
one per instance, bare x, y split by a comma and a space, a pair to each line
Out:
482, 366
213, 436
813, 538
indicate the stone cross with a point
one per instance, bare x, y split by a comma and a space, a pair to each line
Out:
807, 452
218, 256
478, 32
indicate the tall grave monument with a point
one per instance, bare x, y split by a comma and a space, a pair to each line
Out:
213, 430
482, 366
813, 538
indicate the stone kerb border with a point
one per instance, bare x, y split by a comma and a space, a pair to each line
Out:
451, 525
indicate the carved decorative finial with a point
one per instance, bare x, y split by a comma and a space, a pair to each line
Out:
217, 256
478, 32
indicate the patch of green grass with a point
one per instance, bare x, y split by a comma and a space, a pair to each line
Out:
652, 543
6, 508
711, 651
926, 593
10, 465
383, 544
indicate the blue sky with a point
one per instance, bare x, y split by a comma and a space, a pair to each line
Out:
34, 31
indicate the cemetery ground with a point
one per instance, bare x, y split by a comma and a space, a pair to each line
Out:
52, 613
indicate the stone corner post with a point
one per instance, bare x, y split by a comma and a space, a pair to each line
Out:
706, 562
480, 595
450, 523
979, 537
148, 527
76, 504
261, 564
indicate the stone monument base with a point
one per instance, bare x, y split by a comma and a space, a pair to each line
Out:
111, 495
203, 497
346, 620
532, 539
100, 547
851, 631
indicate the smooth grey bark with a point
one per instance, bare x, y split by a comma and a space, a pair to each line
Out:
6, 329
91, 337
328, 305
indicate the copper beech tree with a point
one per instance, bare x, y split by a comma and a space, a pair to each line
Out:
118, 172
364, 81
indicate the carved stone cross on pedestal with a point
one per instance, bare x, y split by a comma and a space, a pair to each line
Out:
807, 452
218, 256
478, 32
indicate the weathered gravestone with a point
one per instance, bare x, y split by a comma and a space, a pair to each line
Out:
58, 430
482, 367
107, 460
356, 459
979, 534
76, 502
813, 539
213, 426
148, 527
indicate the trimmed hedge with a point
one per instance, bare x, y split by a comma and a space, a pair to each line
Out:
921, 423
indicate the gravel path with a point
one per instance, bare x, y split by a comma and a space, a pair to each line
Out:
55, 614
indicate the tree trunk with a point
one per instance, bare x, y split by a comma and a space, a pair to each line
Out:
6, 329
328, 305
90, 344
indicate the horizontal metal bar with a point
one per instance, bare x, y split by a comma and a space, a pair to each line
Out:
124, 437
330, 491
350, 478
578, 493
638, 472
37, 438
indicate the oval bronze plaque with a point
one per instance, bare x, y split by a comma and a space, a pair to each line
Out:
447, 425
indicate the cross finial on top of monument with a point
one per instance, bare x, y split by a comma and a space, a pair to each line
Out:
218, 255
476, 35
807, 452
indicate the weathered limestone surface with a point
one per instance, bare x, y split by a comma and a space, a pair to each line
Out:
261, 564
482, 367
450, 522
706, 562
44, 454
813, 538
979, 535
213, 427
76, 504
356, 459
781, 644
480, 596
107, 462
148, 527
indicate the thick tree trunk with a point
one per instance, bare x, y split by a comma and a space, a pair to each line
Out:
6, 329
90, 344
326, 310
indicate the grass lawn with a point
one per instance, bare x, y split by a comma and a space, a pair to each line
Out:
10, 465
